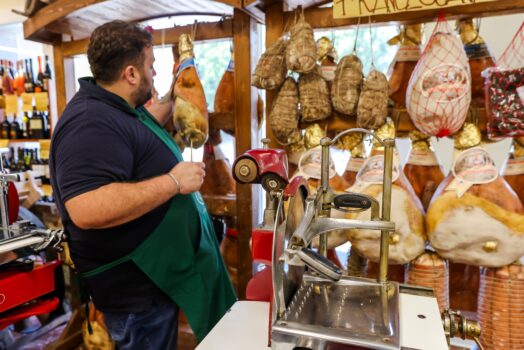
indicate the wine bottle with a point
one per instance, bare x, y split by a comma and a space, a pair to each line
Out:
20, 163
47, 74
36, 126
14, 130
39, 83
25, 126
12, 160
47, 125
21, 78
5, 128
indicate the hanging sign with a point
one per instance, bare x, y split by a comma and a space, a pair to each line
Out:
365, 8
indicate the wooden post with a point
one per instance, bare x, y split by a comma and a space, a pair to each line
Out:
64, 78
274, 29
245, 49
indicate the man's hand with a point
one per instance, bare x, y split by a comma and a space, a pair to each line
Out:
190, 176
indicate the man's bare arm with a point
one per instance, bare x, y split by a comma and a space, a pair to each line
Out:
118, 203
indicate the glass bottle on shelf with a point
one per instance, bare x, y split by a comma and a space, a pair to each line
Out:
20, 162
21, 77
12, 160
5, 129
39, 82
14, 130
47, 74
29, 85
36, 125
26, 126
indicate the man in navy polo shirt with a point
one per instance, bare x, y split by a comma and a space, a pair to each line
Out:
129, 203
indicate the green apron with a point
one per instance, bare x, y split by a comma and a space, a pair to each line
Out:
181, 255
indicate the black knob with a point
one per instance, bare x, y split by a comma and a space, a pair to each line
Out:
352, 201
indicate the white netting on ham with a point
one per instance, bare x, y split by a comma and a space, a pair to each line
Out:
504, 89
439, 91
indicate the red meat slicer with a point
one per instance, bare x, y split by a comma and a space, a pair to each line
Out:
23, 286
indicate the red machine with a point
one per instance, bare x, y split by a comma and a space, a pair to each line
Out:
265, 166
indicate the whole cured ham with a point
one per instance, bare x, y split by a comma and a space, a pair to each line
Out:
301, 51
409, 238
422, 168
218, 180
190, 113
225, 94
513, 168
271, 69
475, 217
283, 118
404, 62
439, 91
346, 86
314, 97
373, 101
479, 57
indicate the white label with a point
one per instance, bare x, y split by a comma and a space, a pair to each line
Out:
514, 167
407, 54
219, 154
355, 164
520, 91
423, 158
35, 124
475, 165
372, 172
328, 72
445, 83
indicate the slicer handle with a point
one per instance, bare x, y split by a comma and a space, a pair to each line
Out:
320, 264
352, 201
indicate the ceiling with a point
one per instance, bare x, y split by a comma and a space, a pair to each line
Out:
6, 15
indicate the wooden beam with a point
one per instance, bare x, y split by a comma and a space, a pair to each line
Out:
60, 84
323, 17
205, 31
244, 35
52, 12
274, 29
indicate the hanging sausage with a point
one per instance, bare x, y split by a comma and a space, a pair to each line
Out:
271, 69
315, 103
301, 51
283, 118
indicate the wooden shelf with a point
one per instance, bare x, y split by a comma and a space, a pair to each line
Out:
221, 205
22, 140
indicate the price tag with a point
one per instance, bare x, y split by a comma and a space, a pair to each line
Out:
41, 101
27, 102
11, 104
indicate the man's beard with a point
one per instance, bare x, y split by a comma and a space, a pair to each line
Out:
143, 93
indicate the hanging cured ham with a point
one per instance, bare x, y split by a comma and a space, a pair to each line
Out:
315, 102
271, 69
475, 217
409, 239
513, 168
439, 91
301, 51
422, 168
404, 62
347, 84
190, 113
225, 94
479, 57
284, 114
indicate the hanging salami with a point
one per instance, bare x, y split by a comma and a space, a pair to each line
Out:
315, 103
283, 118
271, 69
301, 51
373, 101
347, 84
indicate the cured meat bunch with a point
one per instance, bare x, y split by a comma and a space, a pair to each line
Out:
513, 169
479, 57
314, 97
347, 84
190, 114
423, 169
373, 102
439, 91
474, 217
284, 114
404, 62
301, 51
409, 239
271, 69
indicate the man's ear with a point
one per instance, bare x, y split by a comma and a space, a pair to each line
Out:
131, 75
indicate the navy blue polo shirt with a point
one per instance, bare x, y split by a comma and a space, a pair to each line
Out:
97, 141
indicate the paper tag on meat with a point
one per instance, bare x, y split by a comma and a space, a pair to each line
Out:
514, 167
473, 166
355, 164
328, 72
423, 158
372, 172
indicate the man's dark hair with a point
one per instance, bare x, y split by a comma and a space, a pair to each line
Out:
115, 45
